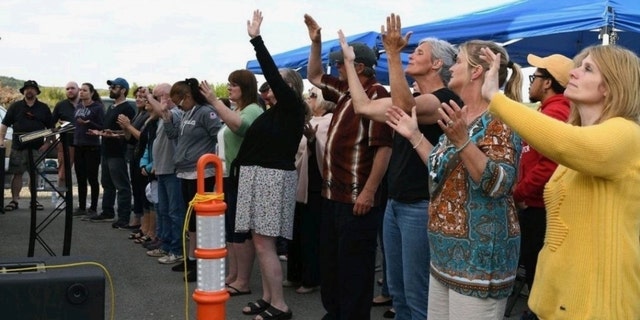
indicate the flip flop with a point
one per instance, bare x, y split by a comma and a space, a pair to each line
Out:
235, 292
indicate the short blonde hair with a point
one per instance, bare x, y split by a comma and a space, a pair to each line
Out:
620, 69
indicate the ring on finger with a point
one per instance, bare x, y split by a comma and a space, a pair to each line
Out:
449, 123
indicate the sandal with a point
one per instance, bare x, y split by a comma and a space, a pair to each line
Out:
274, 314
39, 207
256, 307
143, 239
136, 235
13, 205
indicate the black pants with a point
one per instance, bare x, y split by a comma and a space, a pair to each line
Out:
347, 260
533, 224
303, 264
138, 185
87, 163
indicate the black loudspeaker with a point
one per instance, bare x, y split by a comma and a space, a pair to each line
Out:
51, 293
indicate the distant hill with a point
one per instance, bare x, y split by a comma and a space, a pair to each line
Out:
11, 82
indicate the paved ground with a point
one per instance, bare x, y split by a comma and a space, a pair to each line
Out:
144, 289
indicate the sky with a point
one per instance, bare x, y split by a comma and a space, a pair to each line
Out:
149, 42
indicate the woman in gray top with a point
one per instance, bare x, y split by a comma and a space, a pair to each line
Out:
196, 134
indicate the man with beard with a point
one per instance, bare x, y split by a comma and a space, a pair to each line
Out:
547, 87
115, 173
353, 190
64, 111
26, 115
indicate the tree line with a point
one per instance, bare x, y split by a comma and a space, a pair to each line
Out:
10, 92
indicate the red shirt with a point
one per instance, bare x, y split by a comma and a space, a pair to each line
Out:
535, 169
351, 144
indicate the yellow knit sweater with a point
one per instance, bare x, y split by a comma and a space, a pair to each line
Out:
589, 267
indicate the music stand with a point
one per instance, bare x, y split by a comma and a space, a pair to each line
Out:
64, 193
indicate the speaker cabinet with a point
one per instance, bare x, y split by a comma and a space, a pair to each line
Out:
51, 293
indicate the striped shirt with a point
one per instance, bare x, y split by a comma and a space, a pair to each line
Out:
351, 144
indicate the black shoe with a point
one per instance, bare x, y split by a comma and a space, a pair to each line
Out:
79, 212
192, 276
102, 218
389, 314
119, 224
191, 266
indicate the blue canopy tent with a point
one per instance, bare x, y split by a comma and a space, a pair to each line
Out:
542, 27
297, 58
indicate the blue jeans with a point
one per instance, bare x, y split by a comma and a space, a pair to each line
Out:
406, 251
170, 213
115, 182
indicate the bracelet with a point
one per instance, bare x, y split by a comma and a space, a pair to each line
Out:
464, 145
419, 142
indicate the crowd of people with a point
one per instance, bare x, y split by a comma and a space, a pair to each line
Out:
461, 182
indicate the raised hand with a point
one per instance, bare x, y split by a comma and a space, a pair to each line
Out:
207, 92
490, 85
253, 25
392, 37
347, 50
313, 28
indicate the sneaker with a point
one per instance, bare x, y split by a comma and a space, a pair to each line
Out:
79, 212
170, 259
156, 253
90, 214
102, 218
191, 265
119, 224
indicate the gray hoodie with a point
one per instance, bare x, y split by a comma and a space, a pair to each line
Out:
197, 134
163, 147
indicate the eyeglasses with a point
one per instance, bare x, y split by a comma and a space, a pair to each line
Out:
533, 77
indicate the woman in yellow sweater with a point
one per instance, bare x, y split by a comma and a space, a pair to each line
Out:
589, 267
